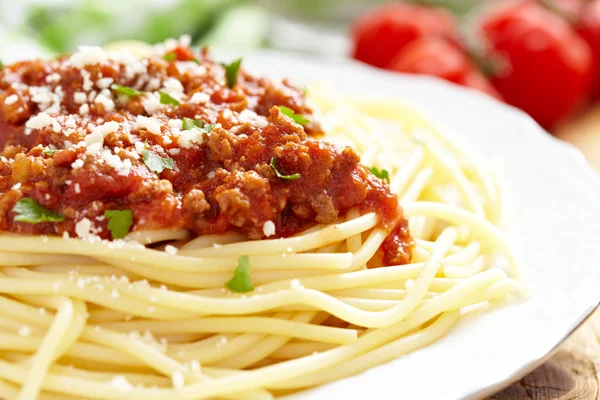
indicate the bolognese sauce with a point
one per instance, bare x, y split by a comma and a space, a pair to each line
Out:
172, 138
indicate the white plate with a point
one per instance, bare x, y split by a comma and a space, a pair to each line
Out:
553, 222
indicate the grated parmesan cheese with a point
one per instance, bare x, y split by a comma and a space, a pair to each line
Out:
77, 164
95, 140
12, 99
39, 121
82, 228
84, 109
106, 102
171, 250
53, 78
104, 83
296, 284
123, 167
269, 228
195, 366
88, 55
79, 97
187, 139
151, 124
199, 98
24, 331
177, 380
151, 103
121, 383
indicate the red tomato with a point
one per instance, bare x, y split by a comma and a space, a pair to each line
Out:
589, 29
543, 66
438, 57
381, 33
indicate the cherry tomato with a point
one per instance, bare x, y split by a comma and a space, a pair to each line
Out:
542, 66
441, 58
589, 29
381, 33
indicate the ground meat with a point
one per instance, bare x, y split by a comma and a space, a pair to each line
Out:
79, 148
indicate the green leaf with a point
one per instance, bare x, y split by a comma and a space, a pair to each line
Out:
170, 57
189, 123
166, 98
382, 174
126, 90
241, 282
279, 175
156, 163
50, 151
30, 211
231, 71
298, 118
119, 222
1, 65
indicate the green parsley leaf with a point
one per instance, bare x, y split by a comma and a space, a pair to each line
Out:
170, 56
231, 71
126, 90
298, 118
156, 163
166, 98
1, 65
382, 174
279, 175
50, 151
241, 282
189, 123
119, 222
30, 211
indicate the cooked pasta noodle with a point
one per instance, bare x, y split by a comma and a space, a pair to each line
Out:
127, 319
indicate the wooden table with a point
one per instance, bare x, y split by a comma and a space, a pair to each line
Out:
574, 370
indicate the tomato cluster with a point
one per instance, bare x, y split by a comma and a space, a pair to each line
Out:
542, 56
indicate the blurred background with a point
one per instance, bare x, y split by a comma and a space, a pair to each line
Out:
542, 56
62, 25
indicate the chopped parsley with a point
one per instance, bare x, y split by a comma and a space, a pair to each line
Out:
50, 151
156, 163
119, 222
279, 174
298, 118
189, 123
173, 57
231, 71
166, 98
241, 282
382, 174
126, 90
30, 211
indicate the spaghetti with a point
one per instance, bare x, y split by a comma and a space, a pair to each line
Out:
181, 313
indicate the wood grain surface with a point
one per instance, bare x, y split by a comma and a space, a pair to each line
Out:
573, 373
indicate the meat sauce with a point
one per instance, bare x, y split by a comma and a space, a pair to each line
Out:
75, 144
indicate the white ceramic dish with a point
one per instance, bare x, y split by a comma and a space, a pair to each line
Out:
552, 221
